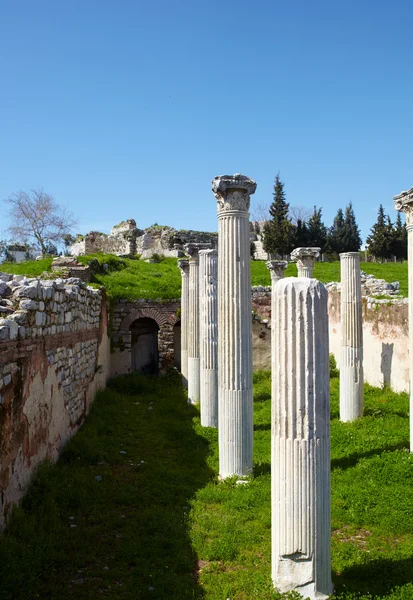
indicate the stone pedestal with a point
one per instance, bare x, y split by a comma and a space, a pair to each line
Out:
351, 362
184, 268
235, 408
208, 335
305, 258
404, 203
300, 442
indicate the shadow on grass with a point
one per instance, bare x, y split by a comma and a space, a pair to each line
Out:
111, 518
262, 427
262, 469
350, 461
378, 577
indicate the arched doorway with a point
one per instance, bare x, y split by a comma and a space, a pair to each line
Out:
144, 350
177, 345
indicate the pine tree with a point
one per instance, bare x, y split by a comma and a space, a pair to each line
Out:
317, 231
336, 233
380, 238
399, 239
352, 239
278, 231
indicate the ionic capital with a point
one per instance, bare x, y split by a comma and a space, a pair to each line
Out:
192, 249
404, 203
276, 268
233, 192
183, 266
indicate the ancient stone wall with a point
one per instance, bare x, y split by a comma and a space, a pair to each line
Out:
126, 312
385, 334
54, 356
121, 241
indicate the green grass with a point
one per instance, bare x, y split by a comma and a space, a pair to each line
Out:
31, 268
133, 278
166, 528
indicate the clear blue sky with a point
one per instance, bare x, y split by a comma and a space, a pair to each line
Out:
129, 108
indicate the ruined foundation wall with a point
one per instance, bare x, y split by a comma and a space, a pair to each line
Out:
54, 356
385, 335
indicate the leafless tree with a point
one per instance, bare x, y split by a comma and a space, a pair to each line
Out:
36, 216
259, 215
299, 213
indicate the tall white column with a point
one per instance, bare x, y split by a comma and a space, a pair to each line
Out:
184, 268
351, 362
208, 334
300, 441
404, 203
235, 407
305, 258
193, 325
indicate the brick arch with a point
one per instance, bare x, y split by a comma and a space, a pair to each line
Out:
151, 313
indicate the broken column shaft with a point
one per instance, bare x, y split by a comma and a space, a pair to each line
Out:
351, 359
300, 442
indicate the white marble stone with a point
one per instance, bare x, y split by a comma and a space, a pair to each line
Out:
300, 439
404, 203
184, 268
305, 258
208, 334
235, 407
193, 325
351, 360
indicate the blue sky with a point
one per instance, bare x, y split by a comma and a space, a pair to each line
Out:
129, 109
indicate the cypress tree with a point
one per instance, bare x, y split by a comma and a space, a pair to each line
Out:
317, 231
336, 233
399, 239
380, 238
301, 237
352, 239
278, 231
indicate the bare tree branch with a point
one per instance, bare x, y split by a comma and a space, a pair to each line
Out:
37, 216
299, 213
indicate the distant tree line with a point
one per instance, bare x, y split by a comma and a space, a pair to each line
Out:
282, 232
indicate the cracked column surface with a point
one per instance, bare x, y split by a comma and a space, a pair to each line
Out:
404, 203
300, 439
235, 407
184, 268
208, 335
351, 360
305, 258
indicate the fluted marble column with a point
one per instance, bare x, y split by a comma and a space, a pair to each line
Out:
300, 442
184, 268
305, 258
351, 362
208, 335
235, 408
404, 203
193, 325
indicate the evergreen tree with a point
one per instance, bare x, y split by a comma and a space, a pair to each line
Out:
380, 238
399, 239
278, 231
301, 237
317, 231
352, 239
336, 233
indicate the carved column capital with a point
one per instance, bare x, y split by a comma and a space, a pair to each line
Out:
233, 192
404, 203
276, 268
192, 249
183, 266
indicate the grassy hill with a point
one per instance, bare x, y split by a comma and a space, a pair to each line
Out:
134, 278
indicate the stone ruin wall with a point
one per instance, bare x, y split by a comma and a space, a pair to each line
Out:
166, 314
385, 336
54, 356
126, 239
